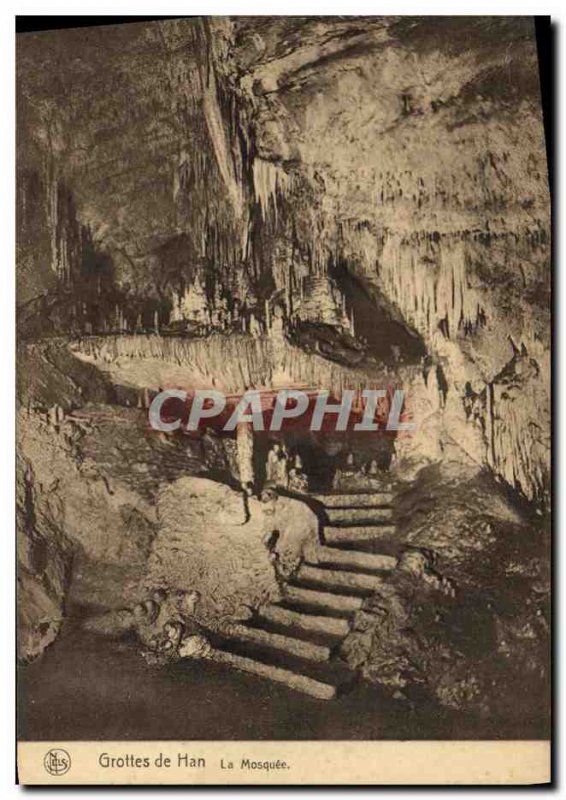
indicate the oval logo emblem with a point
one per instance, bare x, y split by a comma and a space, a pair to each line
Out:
57, 761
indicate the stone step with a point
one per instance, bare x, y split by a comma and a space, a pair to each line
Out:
308, 622
357, 533
297, 647
357, 515
338, 578
294, 680
362, 500
354, 558
326, 600
352, 485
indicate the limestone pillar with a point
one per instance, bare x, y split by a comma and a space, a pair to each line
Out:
245, 445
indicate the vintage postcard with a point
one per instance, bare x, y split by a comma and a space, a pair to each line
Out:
283, 402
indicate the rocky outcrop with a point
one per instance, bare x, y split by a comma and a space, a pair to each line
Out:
214, 540
464, 620
44, 568
85, 514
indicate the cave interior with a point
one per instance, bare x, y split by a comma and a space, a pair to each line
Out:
262, 202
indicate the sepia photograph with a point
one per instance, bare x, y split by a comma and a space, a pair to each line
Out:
283, 400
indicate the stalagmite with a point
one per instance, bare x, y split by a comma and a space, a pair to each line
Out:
245, 445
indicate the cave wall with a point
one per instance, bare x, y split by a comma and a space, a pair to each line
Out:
250, 156
425, 143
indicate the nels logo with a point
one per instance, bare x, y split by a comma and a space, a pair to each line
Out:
57, 761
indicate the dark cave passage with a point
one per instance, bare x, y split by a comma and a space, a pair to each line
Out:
322, 453
389, 338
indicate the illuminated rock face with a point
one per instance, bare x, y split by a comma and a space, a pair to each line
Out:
422, 143
232, 166
208, 541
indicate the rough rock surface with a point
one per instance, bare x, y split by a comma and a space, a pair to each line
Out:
44, 562
465, 621
100, 495
213, 540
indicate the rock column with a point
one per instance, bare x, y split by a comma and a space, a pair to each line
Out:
245, 443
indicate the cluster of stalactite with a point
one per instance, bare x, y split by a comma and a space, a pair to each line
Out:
239, 362
430, 286
45, 202
243, 245
426, 277
257, 240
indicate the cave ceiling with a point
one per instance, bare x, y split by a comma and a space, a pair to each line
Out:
248, 158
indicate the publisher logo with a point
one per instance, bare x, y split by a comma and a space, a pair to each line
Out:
57, 761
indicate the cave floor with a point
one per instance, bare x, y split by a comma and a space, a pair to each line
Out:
88, 688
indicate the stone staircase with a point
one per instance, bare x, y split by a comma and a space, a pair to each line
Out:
295, 642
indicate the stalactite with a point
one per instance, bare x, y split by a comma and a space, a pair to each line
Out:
322, 301
53, 217
513, 414
216, 126
240, 361
268, 235
430, 289
270, 183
